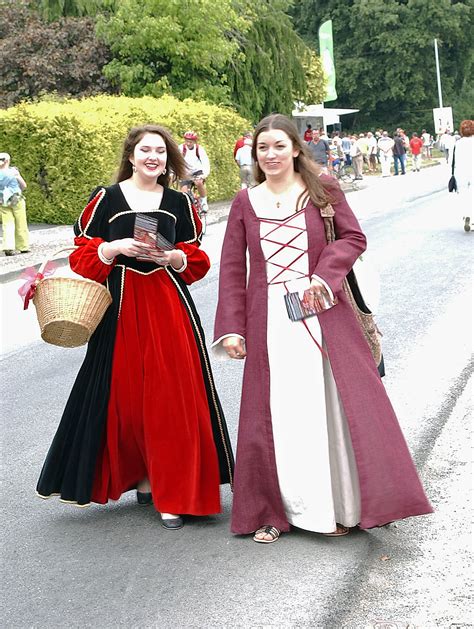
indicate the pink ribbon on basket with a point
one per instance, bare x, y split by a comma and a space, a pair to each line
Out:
33, 278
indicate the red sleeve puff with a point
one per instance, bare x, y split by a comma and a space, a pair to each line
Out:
89, 231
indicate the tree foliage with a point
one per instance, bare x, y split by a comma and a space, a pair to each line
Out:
274, 67
384, 55
54, 9
244, 53
63, 57
65, 149
173, 47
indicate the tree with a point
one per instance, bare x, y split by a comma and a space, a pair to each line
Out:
54, 9
171, 47
64, 57
384, 55
274, 67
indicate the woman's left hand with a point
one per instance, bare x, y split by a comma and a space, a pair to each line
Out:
174, 258
316, 296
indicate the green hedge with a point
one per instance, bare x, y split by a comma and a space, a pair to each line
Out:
65, 149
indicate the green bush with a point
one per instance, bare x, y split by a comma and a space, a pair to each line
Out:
65, 149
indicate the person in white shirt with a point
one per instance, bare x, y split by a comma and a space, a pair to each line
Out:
463, 169
372, 151
197, 167
448, 145
426, 137
385, 146
243, 157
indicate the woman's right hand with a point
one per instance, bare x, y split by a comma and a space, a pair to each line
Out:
234, 346
125, 246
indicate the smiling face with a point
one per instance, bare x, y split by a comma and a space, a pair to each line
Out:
149, 156
275, 153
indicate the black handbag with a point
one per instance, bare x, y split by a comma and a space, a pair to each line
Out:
452, 183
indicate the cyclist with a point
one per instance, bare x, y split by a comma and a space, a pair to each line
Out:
197, 167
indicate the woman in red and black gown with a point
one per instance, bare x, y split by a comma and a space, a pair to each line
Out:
143, 412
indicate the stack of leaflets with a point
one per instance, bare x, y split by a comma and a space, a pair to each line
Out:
298, 308
146, 230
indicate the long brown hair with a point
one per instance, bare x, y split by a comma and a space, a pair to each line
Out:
318, 192
175, 166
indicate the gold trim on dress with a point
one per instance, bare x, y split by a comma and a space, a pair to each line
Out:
122, 283
209, 376
122, 280
83, 233
112, 218
129, 268
191, 215
68, 502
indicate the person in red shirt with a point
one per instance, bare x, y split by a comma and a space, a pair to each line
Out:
308, 134
416, 146
241, 141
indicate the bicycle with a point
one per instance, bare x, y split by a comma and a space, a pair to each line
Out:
188, 186
343, 175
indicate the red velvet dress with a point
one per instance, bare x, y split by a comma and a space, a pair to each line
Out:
163, 418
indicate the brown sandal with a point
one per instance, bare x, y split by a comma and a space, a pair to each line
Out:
339, 532
267, 530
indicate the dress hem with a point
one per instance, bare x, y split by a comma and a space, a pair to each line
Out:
382, 520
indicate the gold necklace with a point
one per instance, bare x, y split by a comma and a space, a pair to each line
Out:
281, 198
278, 203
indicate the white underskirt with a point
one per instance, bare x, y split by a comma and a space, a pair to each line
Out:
315, 461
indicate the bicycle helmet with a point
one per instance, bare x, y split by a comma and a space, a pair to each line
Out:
190, 135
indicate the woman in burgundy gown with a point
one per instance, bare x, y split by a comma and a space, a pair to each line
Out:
319, 445
143, 412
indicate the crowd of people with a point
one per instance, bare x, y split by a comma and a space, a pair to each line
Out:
354, 155
366, 152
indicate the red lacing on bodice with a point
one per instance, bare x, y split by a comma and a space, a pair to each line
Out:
299, 253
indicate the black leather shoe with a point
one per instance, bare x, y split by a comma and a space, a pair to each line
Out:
9, 252
172, 524
144, 498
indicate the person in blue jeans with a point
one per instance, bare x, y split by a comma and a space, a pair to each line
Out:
399, 153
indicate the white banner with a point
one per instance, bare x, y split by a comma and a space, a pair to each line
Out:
443, 120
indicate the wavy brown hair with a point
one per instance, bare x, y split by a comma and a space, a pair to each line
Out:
466, 128
175, 166
318, 192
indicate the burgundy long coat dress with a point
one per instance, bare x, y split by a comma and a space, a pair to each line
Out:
389, 485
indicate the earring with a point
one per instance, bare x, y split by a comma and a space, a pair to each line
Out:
134, 168
163, 171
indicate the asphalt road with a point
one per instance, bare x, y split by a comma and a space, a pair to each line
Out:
114, 566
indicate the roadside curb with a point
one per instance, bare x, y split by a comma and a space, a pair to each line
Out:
46, 251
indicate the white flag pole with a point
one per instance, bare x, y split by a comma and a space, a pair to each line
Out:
438, 76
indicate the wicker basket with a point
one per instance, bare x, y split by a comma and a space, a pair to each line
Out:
69, 309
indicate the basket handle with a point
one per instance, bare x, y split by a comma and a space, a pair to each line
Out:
46, 260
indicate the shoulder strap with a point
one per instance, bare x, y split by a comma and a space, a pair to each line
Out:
454, 159
327, 214
197, 151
